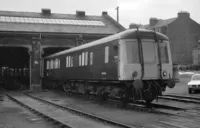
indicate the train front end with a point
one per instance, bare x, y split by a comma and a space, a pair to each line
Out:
145, 59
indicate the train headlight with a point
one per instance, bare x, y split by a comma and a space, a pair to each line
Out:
164, 73
134, 74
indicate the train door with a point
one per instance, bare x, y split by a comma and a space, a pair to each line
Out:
111, 60
129, 60
151, 67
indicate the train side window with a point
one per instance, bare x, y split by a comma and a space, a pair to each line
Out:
69, 63
58, 63
66, 61
72, 61
106, 54
51, 64
86, 58
55, 63
91, 58
47, 65
80, 60
83, 59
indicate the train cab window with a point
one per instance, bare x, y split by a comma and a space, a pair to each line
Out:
106, 54
132, 52
86, 58
164, 53
91, 58
149, 53
80, 60
83, 59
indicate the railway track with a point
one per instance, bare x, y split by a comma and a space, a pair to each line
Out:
64, 117
180, 98
172, 121
156, 108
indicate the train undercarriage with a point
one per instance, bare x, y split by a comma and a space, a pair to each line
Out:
125, 91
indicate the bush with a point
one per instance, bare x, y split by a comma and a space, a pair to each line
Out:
189, 67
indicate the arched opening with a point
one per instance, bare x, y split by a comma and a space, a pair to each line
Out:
14, 67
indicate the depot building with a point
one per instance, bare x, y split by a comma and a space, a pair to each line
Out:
26, 37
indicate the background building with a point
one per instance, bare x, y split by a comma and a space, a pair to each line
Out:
184, 35
25, 37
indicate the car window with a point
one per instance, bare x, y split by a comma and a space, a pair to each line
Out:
196, 77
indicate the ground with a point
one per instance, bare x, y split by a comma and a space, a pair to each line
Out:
181, 87
14, 116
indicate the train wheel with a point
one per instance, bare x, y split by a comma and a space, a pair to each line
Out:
190, 91
66, 87
148, 103
124, 99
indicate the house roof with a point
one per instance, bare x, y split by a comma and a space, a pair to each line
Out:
160, 23
58, 23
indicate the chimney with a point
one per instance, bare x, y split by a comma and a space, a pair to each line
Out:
133, 25
46, 11
183, 14
104, 13
80, 13
153, 21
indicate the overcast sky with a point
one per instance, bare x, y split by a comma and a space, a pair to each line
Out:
130, 11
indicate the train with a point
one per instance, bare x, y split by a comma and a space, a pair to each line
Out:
132, 65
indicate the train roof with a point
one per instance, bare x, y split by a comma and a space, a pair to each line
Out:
127, 34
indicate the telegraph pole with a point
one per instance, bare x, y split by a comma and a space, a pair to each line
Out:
117, 13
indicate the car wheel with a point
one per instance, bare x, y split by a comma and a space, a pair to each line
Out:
189, 91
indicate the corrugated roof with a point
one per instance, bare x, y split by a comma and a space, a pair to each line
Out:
160, 23
58, 23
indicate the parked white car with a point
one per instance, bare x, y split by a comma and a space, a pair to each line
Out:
194, 83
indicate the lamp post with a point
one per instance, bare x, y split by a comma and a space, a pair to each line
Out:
117, 13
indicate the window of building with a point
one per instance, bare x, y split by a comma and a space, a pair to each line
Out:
80, 60
106, 54
86, 58
91, 58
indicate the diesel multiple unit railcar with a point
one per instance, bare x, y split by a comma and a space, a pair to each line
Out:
131, 65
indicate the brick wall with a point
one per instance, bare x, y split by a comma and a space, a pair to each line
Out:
183, 34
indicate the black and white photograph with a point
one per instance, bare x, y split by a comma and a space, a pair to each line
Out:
99, 64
